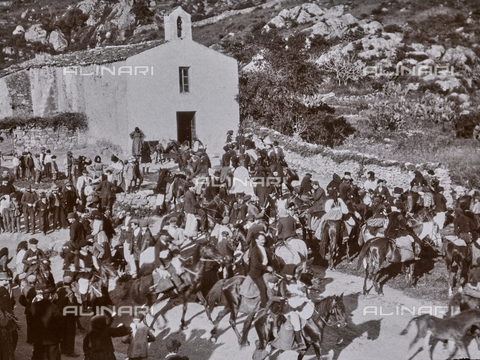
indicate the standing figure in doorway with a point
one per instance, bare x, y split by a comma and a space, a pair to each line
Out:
137, 136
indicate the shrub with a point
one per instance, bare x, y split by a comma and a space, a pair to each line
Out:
328, 130
464, 124
142, 13
392, 28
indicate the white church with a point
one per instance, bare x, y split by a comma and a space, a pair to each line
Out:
172, 89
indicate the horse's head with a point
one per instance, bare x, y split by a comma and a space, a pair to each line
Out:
208, 252
337, 315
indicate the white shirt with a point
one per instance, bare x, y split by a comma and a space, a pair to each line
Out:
370, 185
329, 205
264, 254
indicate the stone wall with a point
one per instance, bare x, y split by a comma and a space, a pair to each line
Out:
61, 139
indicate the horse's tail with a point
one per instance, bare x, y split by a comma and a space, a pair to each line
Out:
363, 253
405, 331
215, 294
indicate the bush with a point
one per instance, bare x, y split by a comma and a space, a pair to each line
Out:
328, 130
142, 13
393, 28
464, 124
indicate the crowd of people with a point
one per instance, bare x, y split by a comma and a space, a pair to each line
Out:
245, 192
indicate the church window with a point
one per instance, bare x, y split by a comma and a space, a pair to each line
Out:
183, 77
179, 27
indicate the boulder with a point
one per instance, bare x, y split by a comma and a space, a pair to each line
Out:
58, 41
320, 28
448, 83
304, 17
458, 56
370, 27
435, 52
36, 34
8, 50
18, 30
313, 9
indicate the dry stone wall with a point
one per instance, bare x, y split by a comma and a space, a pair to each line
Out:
56, 140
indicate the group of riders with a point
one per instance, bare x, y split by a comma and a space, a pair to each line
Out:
244, 211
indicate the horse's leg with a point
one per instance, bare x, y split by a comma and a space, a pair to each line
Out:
246, 328
367, 273
184, 310
261, 326
219, 318
205, 305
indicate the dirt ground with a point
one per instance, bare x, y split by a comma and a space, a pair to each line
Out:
373, 334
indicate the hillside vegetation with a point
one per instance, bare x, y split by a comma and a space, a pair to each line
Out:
398, 80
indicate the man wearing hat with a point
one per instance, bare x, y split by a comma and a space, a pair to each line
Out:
164, 255
345, 189
30, 170
440, 201
397, 201
77, 236
190, 208
8, 326
69, 166
82, 182
44, 322
382, 190
54, 167
27, 293
229, 136
258, 227
177, 234
286, 224
69, 195
67, 297
240, 210
371, 183
57, 206
131, 251
28, 201
42, 208
305, 187
319, 200
33, 254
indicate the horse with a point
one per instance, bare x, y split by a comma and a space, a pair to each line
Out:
331, 235
329, 311
94, 291
194, 276
377, 254
453, 328
457, 264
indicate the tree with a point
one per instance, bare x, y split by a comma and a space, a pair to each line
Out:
344, 67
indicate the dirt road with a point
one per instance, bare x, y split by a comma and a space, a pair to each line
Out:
371, 333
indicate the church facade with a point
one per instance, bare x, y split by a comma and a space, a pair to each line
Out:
172, 89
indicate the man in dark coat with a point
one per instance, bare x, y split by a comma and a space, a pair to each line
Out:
77, 236
44, 320
66, 297
258, 227
259, 260
345, 188
42, 208
57, 206
305, 187
440, 201
69, 197
286, 227
397, 200
463, 227
8, 327
319, 200
105, 193
28, 202
33, 254
239, 211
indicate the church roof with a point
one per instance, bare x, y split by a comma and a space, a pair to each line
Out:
96, 56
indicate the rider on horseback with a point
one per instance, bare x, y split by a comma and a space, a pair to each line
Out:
33, 255
397, 228
302, 310
167, 261
464, 226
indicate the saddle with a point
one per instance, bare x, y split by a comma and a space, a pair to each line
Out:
456, 240
249, 289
